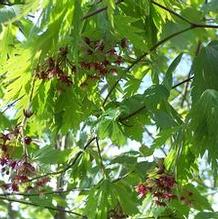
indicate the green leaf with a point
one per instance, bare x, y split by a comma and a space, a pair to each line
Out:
198, 200
162, 137
49, 155
155, 95
110, 10
146, 151
208, 215
128, 200
123, 24
168, 80
102, 200
144, 6
179, 208
108, 127
203, 123
205, 70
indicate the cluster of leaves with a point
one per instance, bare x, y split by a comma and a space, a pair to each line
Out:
97, 81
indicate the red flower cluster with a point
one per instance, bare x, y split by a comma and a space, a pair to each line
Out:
54, 68
101, 60
142, 190
19, 171
161, 189
8, 136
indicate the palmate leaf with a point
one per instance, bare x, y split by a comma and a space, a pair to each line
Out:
205, 70
101, 199
138, 110
204, 114
107, 197
168, 80
198, 200
208, 215
71, 109
123, 24
203, 123
127, 198
7, 41
109, 127
18, 78
46, 155
110, 10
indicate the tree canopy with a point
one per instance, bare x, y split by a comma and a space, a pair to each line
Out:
108, 109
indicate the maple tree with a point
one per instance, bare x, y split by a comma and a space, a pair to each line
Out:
109, 109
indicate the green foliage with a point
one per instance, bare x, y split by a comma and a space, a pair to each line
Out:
100, 116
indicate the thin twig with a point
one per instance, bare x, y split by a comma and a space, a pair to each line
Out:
172, 12
25, 119
182, 82
99, 10
37, 205
189, 75
142, 57
70, 165
101, 159
192, 26
11, 104
143, 107
43, 193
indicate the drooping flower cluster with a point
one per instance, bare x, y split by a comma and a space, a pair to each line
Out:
96, 59
54, 68
100, 59
16, 172
161, 189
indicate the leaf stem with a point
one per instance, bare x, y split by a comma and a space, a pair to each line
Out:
101, 159
24, 122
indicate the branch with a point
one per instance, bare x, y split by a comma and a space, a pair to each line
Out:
43, 193
182, 82
132, 114
192, 26
42, 206
172, 12
8, 106
6, 4
70, 165
99, 10
143, 107
195, 25
142, 57
25, 119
